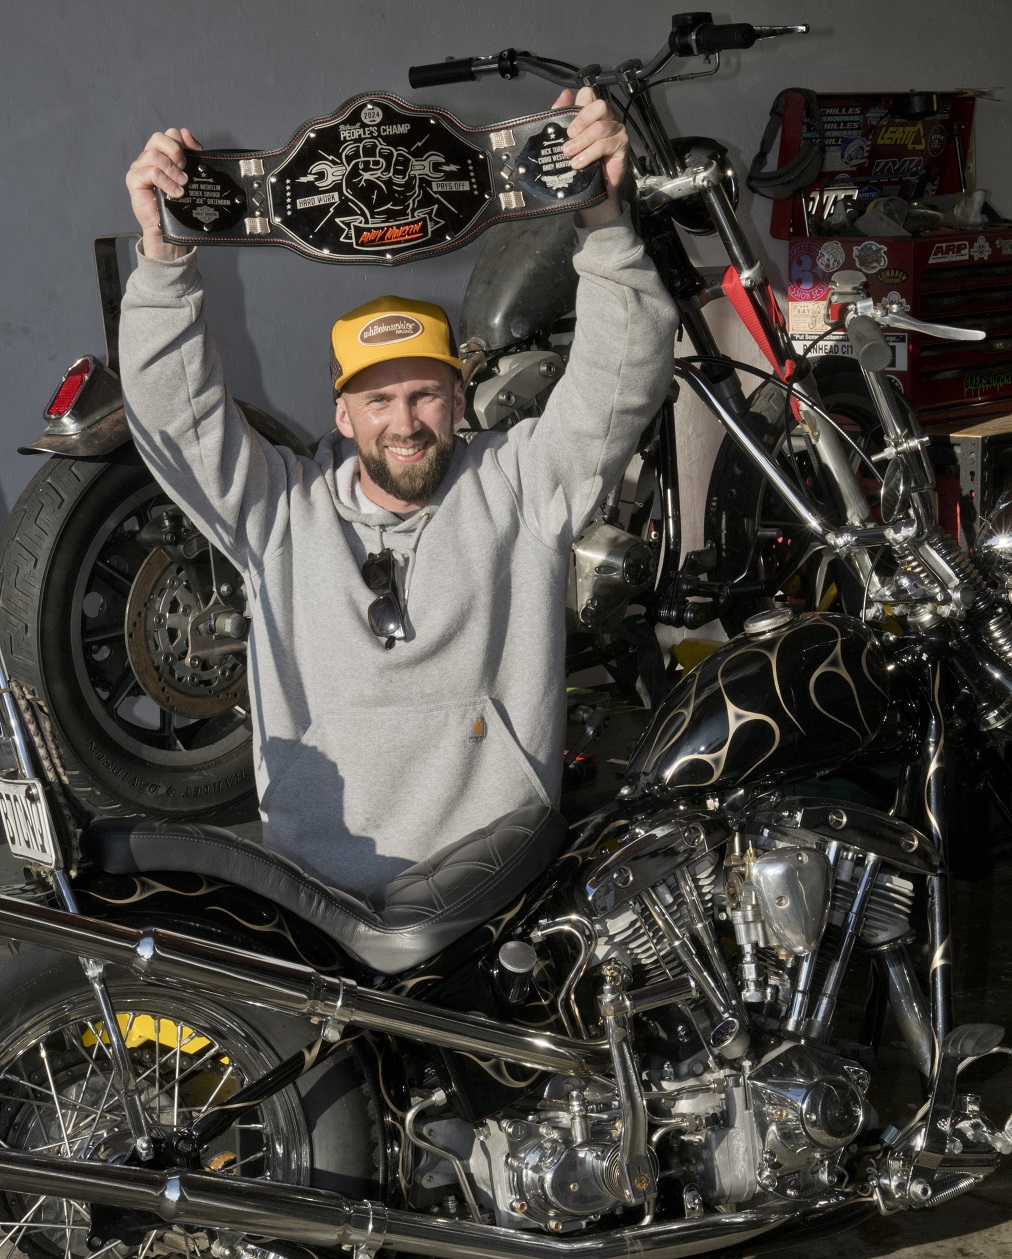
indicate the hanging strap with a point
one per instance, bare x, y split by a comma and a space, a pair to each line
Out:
784, 181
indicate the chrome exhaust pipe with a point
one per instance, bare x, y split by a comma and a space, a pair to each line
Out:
319, 1218
293, 989
312, 1217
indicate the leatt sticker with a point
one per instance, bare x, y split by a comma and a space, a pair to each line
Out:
950, 251
377, 179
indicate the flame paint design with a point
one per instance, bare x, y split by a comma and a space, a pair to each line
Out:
796, 699
221, 904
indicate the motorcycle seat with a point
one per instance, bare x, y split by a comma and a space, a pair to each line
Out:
400, 926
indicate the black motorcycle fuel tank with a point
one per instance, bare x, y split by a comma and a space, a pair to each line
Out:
794, 699
522, 282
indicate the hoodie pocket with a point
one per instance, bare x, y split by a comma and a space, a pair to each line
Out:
400, 781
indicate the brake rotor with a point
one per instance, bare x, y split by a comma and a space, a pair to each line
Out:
158, 616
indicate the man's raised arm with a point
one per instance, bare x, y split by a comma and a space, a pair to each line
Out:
620, 365
228, 479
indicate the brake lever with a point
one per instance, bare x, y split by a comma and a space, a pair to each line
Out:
896, 319
774, 32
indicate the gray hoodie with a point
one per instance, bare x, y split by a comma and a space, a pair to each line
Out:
368, 760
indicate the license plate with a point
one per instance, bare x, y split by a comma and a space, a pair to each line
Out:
26, 822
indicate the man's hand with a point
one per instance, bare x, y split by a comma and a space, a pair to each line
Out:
595, 134
159, 166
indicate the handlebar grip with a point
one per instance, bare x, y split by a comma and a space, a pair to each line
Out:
456, 70
713, 38
870, 345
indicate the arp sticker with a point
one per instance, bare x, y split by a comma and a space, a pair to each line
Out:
870, 256
807, 280
950, 251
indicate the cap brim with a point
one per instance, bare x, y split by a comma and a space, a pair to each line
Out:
455, 363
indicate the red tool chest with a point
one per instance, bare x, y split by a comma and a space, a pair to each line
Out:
961, 276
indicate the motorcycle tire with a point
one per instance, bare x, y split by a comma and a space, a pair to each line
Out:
751, 529
186, 1051
68, 559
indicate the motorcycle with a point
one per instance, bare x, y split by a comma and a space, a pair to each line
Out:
632, 1034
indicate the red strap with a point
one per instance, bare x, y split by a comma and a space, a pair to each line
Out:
739, 299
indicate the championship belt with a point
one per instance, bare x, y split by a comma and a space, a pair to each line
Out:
380, 181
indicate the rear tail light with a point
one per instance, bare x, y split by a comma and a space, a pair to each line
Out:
86, 394
70, 388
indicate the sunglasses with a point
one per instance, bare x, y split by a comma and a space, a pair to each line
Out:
386, 616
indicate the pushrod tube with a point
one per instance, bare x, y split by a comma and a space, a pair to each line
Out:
240, 975
907, 1003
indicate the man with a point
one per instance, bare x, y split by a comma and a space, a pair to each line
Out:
406, 589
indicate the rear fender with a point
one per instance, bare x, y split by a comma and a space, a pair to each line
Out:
109, 432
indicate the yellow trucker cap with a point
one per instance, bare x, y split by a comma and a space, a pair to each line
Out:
386, 328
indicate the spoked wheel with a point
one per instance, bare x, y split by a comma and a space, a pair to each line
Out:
756, 536
59, 1097
136, 644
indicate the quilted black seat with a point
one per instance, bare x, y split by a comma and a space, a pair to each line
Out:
425, 909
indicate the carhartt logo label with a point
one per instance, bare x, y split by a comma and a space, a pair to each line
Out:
951, 251
477, 730
387, 328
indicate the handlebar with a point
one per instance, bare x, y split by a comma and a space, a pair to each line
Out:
870, 346
693, 38
453, 70
692, 35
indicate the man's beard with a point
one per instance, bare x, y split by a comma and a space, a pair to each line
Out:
413, 482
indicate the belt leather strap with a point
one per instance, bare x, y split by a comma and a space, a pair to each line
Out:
380, 181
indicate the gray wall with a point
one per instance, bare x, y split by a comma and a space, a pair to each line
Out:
85, 84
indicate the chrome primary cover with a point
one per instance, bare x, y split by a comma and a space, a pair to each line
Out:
796, 699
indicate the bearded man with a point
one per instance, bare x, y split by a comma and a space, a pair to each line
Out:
406, 589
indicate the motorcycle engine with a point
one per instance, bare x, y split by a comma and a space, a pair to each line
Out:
746, 1099
766, 914
558, 1167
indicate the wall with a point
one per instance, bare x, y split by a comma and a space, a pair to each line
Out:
85, 84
